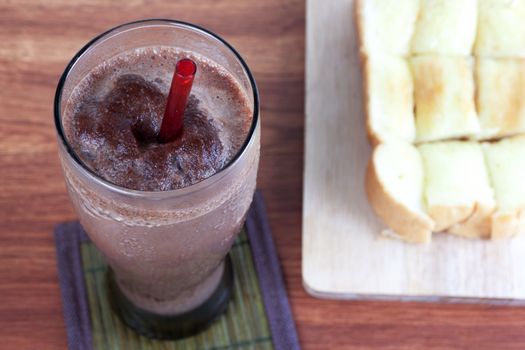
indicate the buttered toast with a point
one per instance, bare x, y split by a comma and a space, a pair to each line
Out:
389, 99
444, 96
394, 184
506, 164
457, 191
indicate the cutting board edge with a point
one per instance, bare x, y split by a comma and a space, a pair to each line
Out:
352, 296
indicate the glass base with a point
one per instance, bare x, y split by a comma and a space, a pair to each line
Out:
179, 326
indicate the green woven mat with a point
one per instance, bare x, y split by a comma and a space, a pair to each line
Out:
243, 326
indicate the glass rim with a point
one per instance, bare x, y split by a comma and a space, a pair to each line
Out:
139, 193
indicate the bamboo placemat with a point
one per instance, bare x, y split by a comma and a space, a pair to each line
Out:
258, 316
244, 325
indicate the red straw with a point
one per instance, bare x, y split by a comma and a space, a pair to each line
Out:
181, 83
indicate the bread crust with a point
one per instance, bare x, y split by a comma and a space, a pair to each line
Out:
477, 225
445, 216
358, 18
410, 226
508, 224
373, 138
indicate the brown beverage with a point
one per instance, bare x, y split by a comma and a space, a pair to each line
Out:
114, 115
164, 215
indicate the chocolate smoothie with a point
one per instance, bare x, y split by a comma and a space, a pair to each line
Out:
113, 119
164, 215
166, 247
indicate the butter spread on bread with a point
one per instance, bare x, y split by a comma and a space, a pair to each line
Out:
445, 27
444, 98
386, 26
457, 190
500, 96
389, 100
506, 164
501, 28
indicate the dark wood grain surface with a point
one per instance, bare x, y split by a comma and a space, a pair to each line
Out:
37, 38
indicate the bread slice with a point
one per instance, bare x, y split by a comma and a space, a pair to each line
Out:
444, 98
501, 28
394, 185
445, 27
457, 190
385, 26
506, 164
389, 100
500, 96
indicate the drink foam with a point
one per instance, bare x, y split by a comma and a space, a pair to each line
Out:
114, 114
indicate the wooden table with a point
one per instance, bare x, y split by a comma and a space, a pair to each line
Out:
38, 38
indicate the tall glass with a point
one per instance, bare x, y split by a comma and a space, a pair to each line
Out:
166, 249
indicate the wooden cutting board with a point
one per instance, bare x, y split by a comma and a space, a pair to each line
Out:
344, 255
